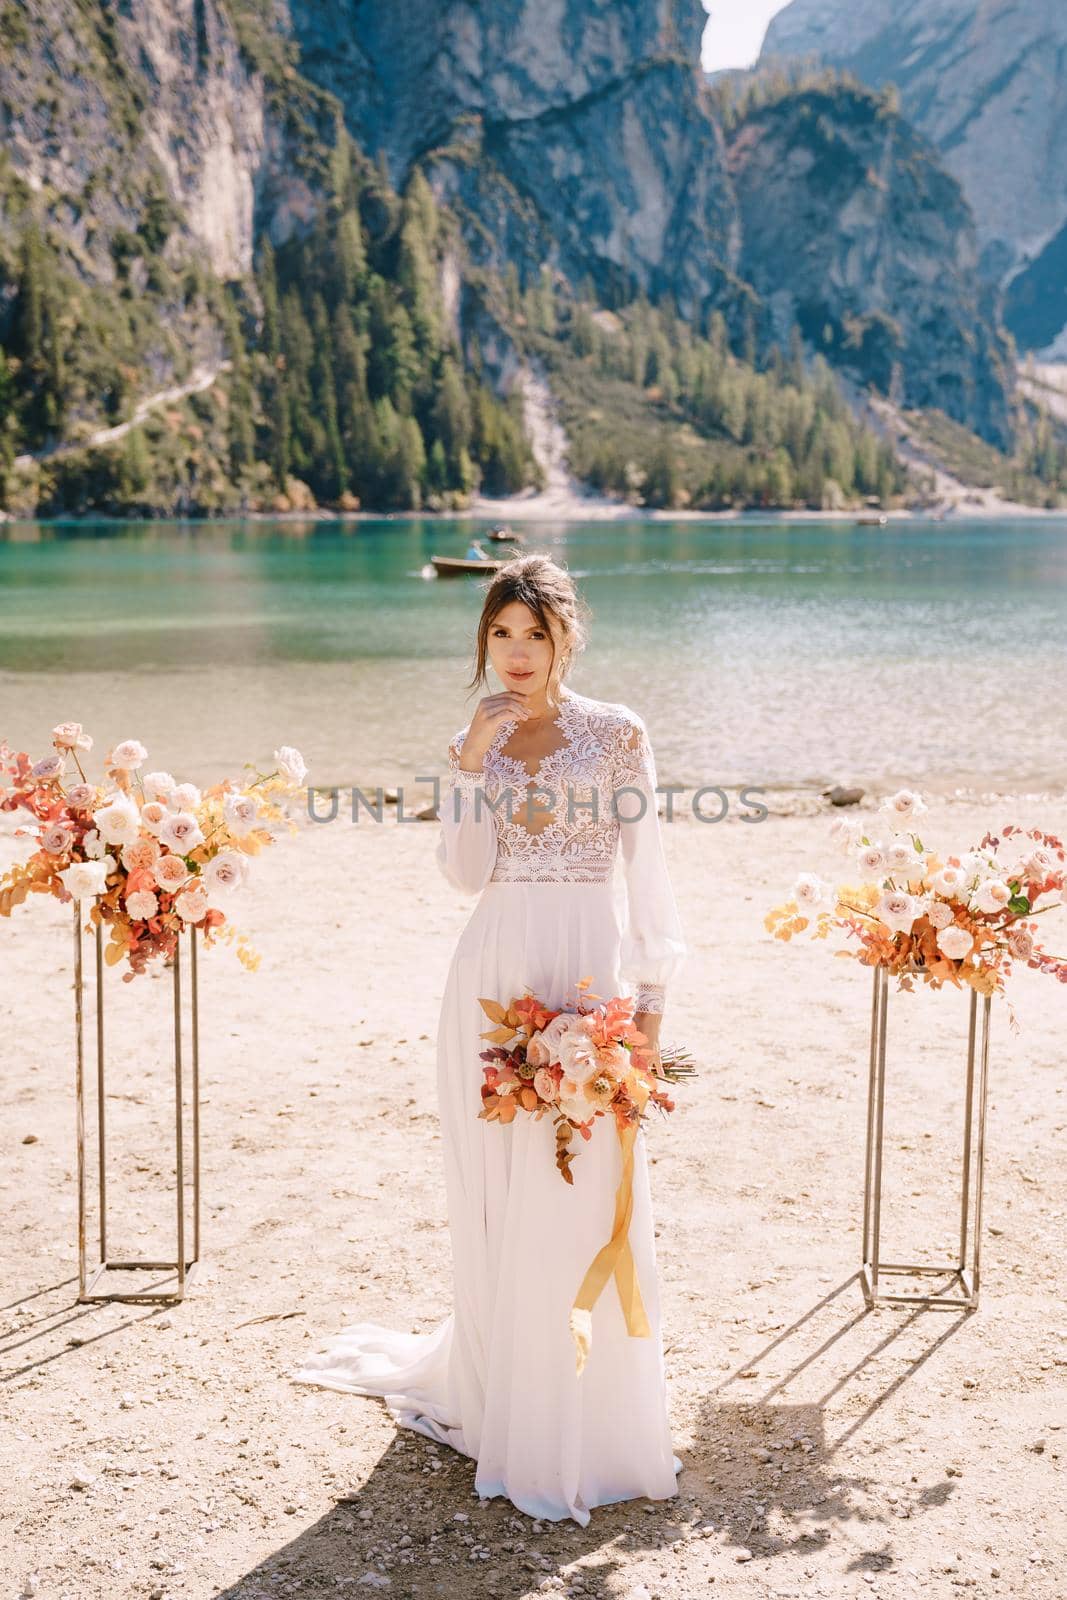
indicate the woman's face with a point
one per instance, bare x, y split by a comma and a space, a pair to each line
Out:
520, 650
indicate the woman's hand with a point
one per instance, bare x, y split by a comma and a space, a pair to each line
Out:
492, 710
649, 1023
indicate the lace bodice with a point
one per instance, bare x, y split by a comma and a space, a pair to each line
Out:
565, 824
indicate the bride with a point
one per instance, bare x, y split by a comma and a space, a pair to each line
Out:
532, 824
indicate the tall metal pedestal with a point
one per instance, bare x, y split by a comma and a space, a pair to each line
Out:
93, 1277
963, 1273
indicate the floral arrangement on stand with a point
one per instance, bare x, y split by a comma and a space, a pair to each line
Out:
153, 855
961, 919
576, 1064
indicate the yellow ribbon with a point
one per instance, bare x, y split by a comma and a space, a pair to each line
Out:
615, 1257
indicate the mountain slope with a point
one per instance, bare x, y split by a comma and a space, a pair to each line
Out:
987, 84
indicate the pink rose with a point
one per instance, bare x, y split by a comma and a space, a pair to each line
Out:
180, 831
141, 905
141, 853
57, 839
192, 904
153, 815
170, 872
47, 768
1020, 944
128, 754
544, 1083
81, 797
68, 736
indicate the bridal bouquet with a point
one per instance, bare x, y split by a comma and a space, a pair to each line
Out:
962, 918
573, 1065
152, 854
576, 1065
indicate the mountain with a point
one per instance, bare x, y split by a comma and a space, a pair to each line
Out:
987, 84
311, 230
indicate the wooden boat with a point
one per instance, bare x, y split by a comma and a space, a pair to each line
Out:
458, 566
872, 522
505, 535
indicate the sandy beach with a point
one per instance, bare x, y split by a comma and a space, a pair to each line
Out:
826, 1451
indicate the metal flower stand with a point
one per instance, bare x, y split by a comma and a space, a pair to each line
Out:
962, 1289
92, 1279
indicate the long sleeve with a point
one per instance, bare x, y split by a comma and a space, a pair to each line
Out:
653, 942
466, 850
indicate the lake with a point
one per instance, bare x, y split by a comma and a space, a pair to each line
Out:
761, 652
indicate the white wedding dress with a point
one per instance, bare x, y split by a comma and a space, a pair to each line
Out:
497, 1379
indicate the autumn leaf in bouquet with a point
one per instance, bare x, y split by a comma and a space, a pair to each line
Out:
152, 855
574, 1064
966, 918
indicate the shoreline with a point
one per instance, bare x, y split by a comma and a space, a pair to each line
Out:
596, 511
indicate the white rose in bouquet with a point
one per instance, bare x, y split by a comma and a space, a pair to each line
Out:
180, 831
226, 871
950, 882
141, 905
899, 911
577, 1054
153, 815
158, 785
903, 861
84, 879
118, 822
992, 896
811, 893
846, 833
955, 942
871, 863
241, 812
192, 904
901, 809
939, 913
128, 755
291, 763
184, 796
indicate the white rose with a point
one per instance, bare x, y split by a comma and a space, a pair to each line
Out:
290, 763
810, 892
846, 833
955, 942
128, 755
93, 845
574, 1105
84, 879
119, 822
153, 815
141, 905
992, 895
871, 862
158, 785
184, 796
577, 1055
939, 914
241, 812
180, 832
1039, 863
903, 862
950, 882
901, 809
897, 910
192, 904
227, 870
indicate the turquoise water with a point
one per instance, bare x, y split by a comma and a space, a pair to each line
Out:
762, 652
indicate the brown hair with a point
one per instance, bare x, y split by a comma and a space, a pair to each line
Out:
548, 589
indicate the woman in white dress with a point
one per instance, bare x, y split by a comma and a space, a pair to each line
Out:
497, 1379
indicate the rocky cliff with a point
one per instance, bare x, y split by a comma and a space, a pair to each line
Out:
154, 141
988, 85
582, 135
853, 230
